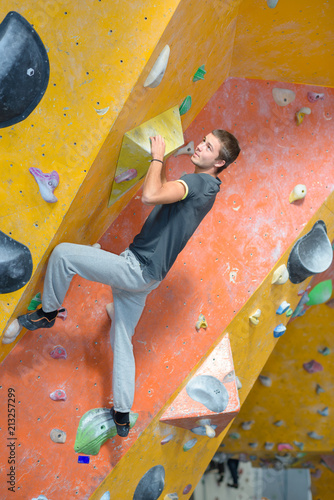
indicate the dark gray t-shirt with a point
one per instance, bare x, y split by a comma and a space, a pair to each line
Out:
168, 227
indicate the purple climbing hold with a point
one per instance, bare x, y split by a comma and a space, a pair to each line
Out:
128, 175
167, 439
58, 352
313, 96
187, 489
313, 366
47, 183
58, 395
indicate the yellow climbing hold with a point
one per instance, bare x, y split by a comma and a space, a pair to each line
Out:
201, 323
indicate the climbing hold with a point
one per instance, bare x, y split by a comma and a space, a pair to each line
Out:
229, 377
284, 446
284, 306
254, 318
35, 302
47, 183
185, 106
266, 381
187, 489
311, 254
151, 484
313, 367
186, 150
268, 446
16, 262
272, 3
171, 496
299, 445
313, 96
58, 395
280, 275
40, 497
209, 429
239, 384
201, 430
201, 323
279, 423
283, 97
58, 352
105, 496
320, 293
289, 312
83, 460
12, 332
103, 111
279, 330
189, 444
166, 439
247, 425
128, 175
314, 435
24, 72
58, 436
199, 75
324, 412
95, 427
316, 474
209, 391
252, 445
319, 389
301, 113
234, 435
325, 351
159, 68
62, 314
298, 193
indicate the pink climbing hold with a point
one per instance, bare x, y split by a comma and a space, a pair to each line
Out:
128, 175
47, 183
313, 96
58, 352
313, 367
63, 314
58, 395
187, 489
284, 446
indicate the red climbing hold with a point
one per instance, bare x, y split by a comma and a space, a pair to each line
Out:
58, 352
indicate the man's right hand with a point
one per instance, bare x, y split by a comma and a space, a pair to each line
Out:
158, 147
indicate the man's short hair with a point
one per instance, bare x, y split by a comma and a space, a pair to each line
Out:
229, 148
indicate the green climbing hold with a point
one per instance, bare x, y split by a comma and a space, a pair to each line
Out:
199, 75
289, 312
185, 106
95, 427
320, 293
35, 302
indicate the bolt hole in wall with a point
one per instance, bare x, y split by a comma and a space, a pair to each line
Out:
253, 483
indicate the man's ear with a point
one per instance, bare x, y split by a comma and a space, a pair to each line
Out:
219, 163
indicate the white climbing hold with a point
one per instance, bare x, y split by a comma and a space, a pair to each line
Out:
103, 111
284, 306
247, 425
324, 412
254, 318
272, 3
105, 496
301, 113
58, 436
314, 435
280, 275
96, 245
12, 332
266, 381
283, 97
239, 384
298, 193
40, 497
279, 423
268, 446
186, 150
157, 72
210, 432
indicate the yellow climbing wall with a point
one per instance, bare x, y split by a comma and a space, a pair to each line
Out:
292, 42
100, 57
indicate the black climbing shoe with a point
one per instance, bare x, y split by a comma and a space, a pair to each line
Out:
38, 319
122, 422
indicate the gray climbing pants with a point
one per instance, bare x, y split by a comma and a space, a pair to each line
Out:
124, 274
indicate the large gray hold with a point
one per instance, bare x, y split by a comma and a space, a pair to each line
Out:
209, 391
24, 69
15, 264
151, 484
311, 254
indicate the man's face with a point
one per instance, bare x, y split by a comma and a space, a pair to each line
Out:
206, 153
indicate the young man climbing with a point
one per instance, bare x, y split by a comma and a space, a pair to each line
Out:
179, 207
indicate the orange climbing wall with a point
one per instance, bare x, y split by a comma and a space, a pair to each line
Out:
232, 252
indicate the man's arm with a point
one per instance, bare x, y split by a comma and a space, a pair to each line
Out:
157, 190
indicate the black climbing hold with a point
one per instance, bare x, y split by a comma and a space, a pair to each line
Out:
151, 484
15, 264
24, 69
311, 254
